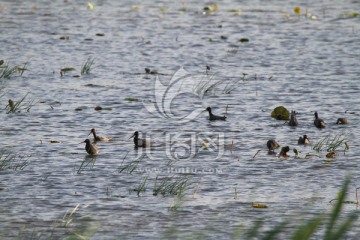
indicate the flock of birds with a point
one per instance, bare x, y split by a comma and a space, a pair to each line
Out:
92, 149
318, 122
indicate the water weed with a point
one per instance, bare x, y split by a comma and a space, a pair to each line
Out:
171, 186
13, 161
331, 144
141, 188
86, 67
20, 105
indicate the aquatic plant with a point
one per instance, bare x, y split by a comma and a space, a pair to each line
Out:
20, 105
86, 67
330, 144
13, 161
206, 84
172, 186
6, 71
88, 160
176, 204
130, 99
142, 187
280, 113
65, 70
231, 85
129, 167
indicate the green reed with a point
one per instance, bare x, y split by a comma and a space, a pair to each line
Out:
207, 84
131, 166
7, 71
171, 186
330, 144
20, 105
13, 161
142, 187
86, 67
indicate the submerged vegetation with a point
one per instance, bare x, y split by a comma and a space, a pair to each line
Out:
13, 161
7, 71
20, 105
331, 144
86, 67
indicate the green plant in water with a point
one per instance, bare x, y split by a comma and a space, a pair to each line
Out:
334, 227
141, 188
280, 113
130, 167
20, 105
88, 160
206, 84
330, 144
176, 204
86, 67
230, 86
13, 161
171, 186
7, 71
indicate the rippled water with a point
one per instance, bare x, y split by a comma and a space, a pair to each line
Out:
303, 64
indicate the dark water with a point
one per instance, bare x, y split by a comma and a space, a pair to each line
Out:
301, 63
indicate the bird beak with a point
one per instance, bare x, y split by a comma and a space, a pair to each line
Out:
132, 136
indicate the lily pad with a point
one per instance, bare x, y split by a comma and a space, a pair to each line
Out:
132, 99
280, 113
258, 205
68, 69
98, 108
243, 40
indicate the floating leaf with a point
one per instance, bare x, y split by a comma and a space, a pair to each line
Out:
64, 38
259, 205
349, 14
280, 113
297, 10
136, 7
68, 69
131, 99
237, 11
54, 141
243, 40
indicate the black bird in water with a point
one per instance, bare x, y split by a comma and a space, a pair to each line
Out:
342, 121
293, 121
272, 144
318, 122
140, 142
303, 140
213, 117
91, 148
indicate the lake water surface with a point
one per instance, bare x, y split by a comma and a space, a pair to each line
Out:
305, 63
